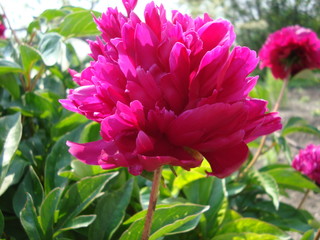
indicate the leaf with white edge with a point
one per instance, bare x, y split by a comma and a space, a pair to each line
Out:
77, 222
10, 135
166, 220
252, 225
269, 184
79, 24
51, 47
47, 211
80, 195
14, 174
245, 236
112, 204
29, 220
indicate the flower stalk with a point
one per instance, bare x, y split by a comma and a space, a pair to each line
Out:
264, 138
303, 199
152, 203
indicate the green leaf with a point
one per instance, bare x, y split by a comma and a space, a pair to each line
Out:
1, 223
269, 184
29, 220
10, 135
185, 177
298, 124
10, 82
50, 14
47, 211
289, 178
30, 185
37, 105
166, 220
9, 67
112, 204
245, 236
79, 24
252, 225
208, 191
29, 57
52, 48
14, 174
58, 158
80, 195
307, 235
78, 222
67, 124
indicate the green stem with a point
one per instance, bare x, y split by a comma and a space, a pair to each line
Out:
152, 203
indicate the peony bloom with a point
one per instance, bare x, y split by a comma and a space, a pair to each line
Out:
290, 50
308, 162
168, 92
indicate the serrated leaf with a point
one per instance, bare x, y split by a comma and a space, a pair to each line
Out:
80, 195
79, 24
10, 135
252, 225
112, 204
166, 220
47, 211
52, 48
29, 220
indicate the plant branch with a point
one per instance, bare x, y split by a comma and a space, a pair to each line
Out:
10, 27
317, 237
264, 138
152, 203
303, 199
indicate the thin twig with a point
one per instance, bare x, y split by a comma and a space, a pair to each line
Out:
152, 203
303, 199
10, 27
263, 139
37, 77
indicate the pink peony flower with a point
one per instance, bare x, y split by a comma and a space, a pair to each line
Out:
165, 91
308, 162
2, 30
290, 50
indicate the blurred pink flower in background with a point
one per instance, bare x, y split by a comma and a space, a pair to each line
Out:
2, 27
165, 91
290, 50
308, 162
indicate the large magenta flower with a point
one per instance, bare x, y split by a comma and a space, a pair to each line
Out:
166, 91
308, 162
290, 50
